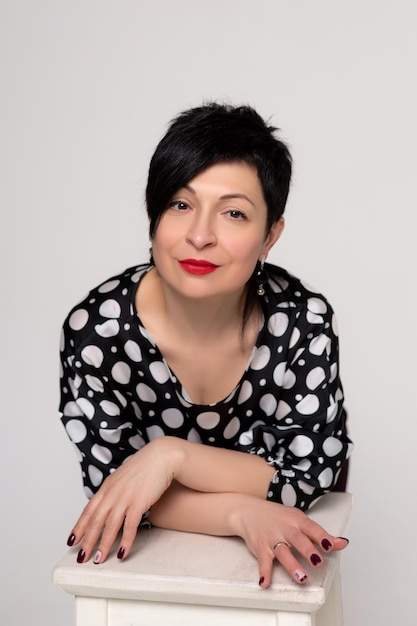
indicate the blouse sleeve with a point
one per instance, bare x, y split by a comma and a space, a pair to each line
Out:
98, 420
305, 440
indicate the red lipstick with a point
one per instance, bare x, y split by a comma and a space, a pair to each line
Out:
199, 267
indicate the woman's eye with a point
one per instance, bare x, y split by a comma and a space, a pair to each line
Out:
236, 215
179, 205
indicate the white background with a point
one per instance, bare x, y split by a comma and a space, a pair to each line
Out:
87, 88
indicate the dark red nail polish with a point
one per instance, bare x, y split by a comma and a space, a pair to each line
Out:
315, 559
121, 553
81, 556
326, 544
345, 539
261, 580
71, 539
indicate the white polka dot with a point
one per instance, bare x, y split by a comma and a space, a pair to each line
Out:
107, 329
92, 355
110, 435
154, 432
261, 358
95, 475
301, 445
94, 383
334, 325
319, 344
87, 407
315, 377
173, 418
306, 487
245, 392
282, 410
145, 393
332, 446
316, 305
289, 380
304, 465
110, 408
101, 453
76, 430
208, 420
313, 318
109, 286
133, 351
245, 439
295, 336
159, 371
78, 319
121, 372
278, 324
332, 412
88, 493
326, 478
288, 495
279, 374
308, 405
194, 436
110, 308
121, 398
269, 440
71, 409
135, 277
268, 403
232, 428
137, 442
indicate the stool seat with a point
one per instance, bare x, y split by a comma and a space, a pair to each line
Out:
184, 579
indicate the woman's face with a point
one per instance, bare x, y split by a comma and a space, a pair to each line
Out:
212, 233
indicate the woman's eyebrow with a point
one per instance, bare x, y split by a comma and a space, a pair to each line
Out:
231, 196
228, 196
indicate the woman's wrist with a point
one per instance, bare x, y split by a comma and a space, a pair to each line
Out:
172, 450
238, 504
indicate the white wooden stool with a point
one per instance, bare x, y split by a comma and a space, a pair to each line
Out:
182, 579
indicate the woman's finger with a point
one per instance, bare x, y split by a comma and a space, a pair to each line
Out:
130, 529
284, 555
111, 529
265, 561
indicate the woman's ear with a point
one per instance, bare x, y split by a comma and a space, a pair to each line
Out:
274, 234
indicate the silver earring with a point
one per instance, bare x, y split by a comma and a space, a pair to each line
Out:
261, 278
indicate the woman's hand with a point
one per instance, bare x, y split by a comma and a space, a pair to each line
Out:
122, 500
274, 531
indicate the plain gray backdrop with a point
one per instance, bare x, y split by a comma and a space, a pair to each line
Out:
87, 89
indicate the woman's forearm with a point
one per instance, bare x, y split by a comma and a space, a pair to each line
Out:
183, 509
213, 470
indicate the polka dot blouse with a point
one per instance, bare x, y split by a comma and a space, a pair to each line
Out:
118, 393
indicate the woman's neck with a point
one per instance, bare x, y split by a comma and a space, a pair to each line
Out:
202, 320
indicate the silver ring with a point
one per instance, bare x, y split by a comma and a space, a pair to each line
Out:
280, 543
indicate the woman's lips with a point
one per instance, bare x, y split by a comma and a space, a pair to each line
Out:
194, 266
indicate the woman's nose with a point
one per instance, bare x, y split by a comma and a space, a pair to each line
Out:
201, 232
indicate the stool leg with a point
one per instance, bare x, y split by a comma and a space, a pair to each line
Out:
290, 618
90, 611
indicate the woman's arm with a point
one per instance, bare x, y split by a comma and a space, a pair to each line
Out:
258, 522
199, 488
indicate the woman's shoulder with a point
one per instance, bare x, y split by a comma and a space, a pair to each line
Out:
109, 301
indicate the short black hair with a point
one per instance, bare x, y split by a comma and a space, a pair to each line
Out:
216, 133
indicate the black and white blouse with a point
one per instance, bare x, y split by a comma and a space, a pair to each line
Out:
118, 393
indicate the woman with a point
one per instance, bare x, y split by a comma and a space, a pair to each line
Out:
202, 389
